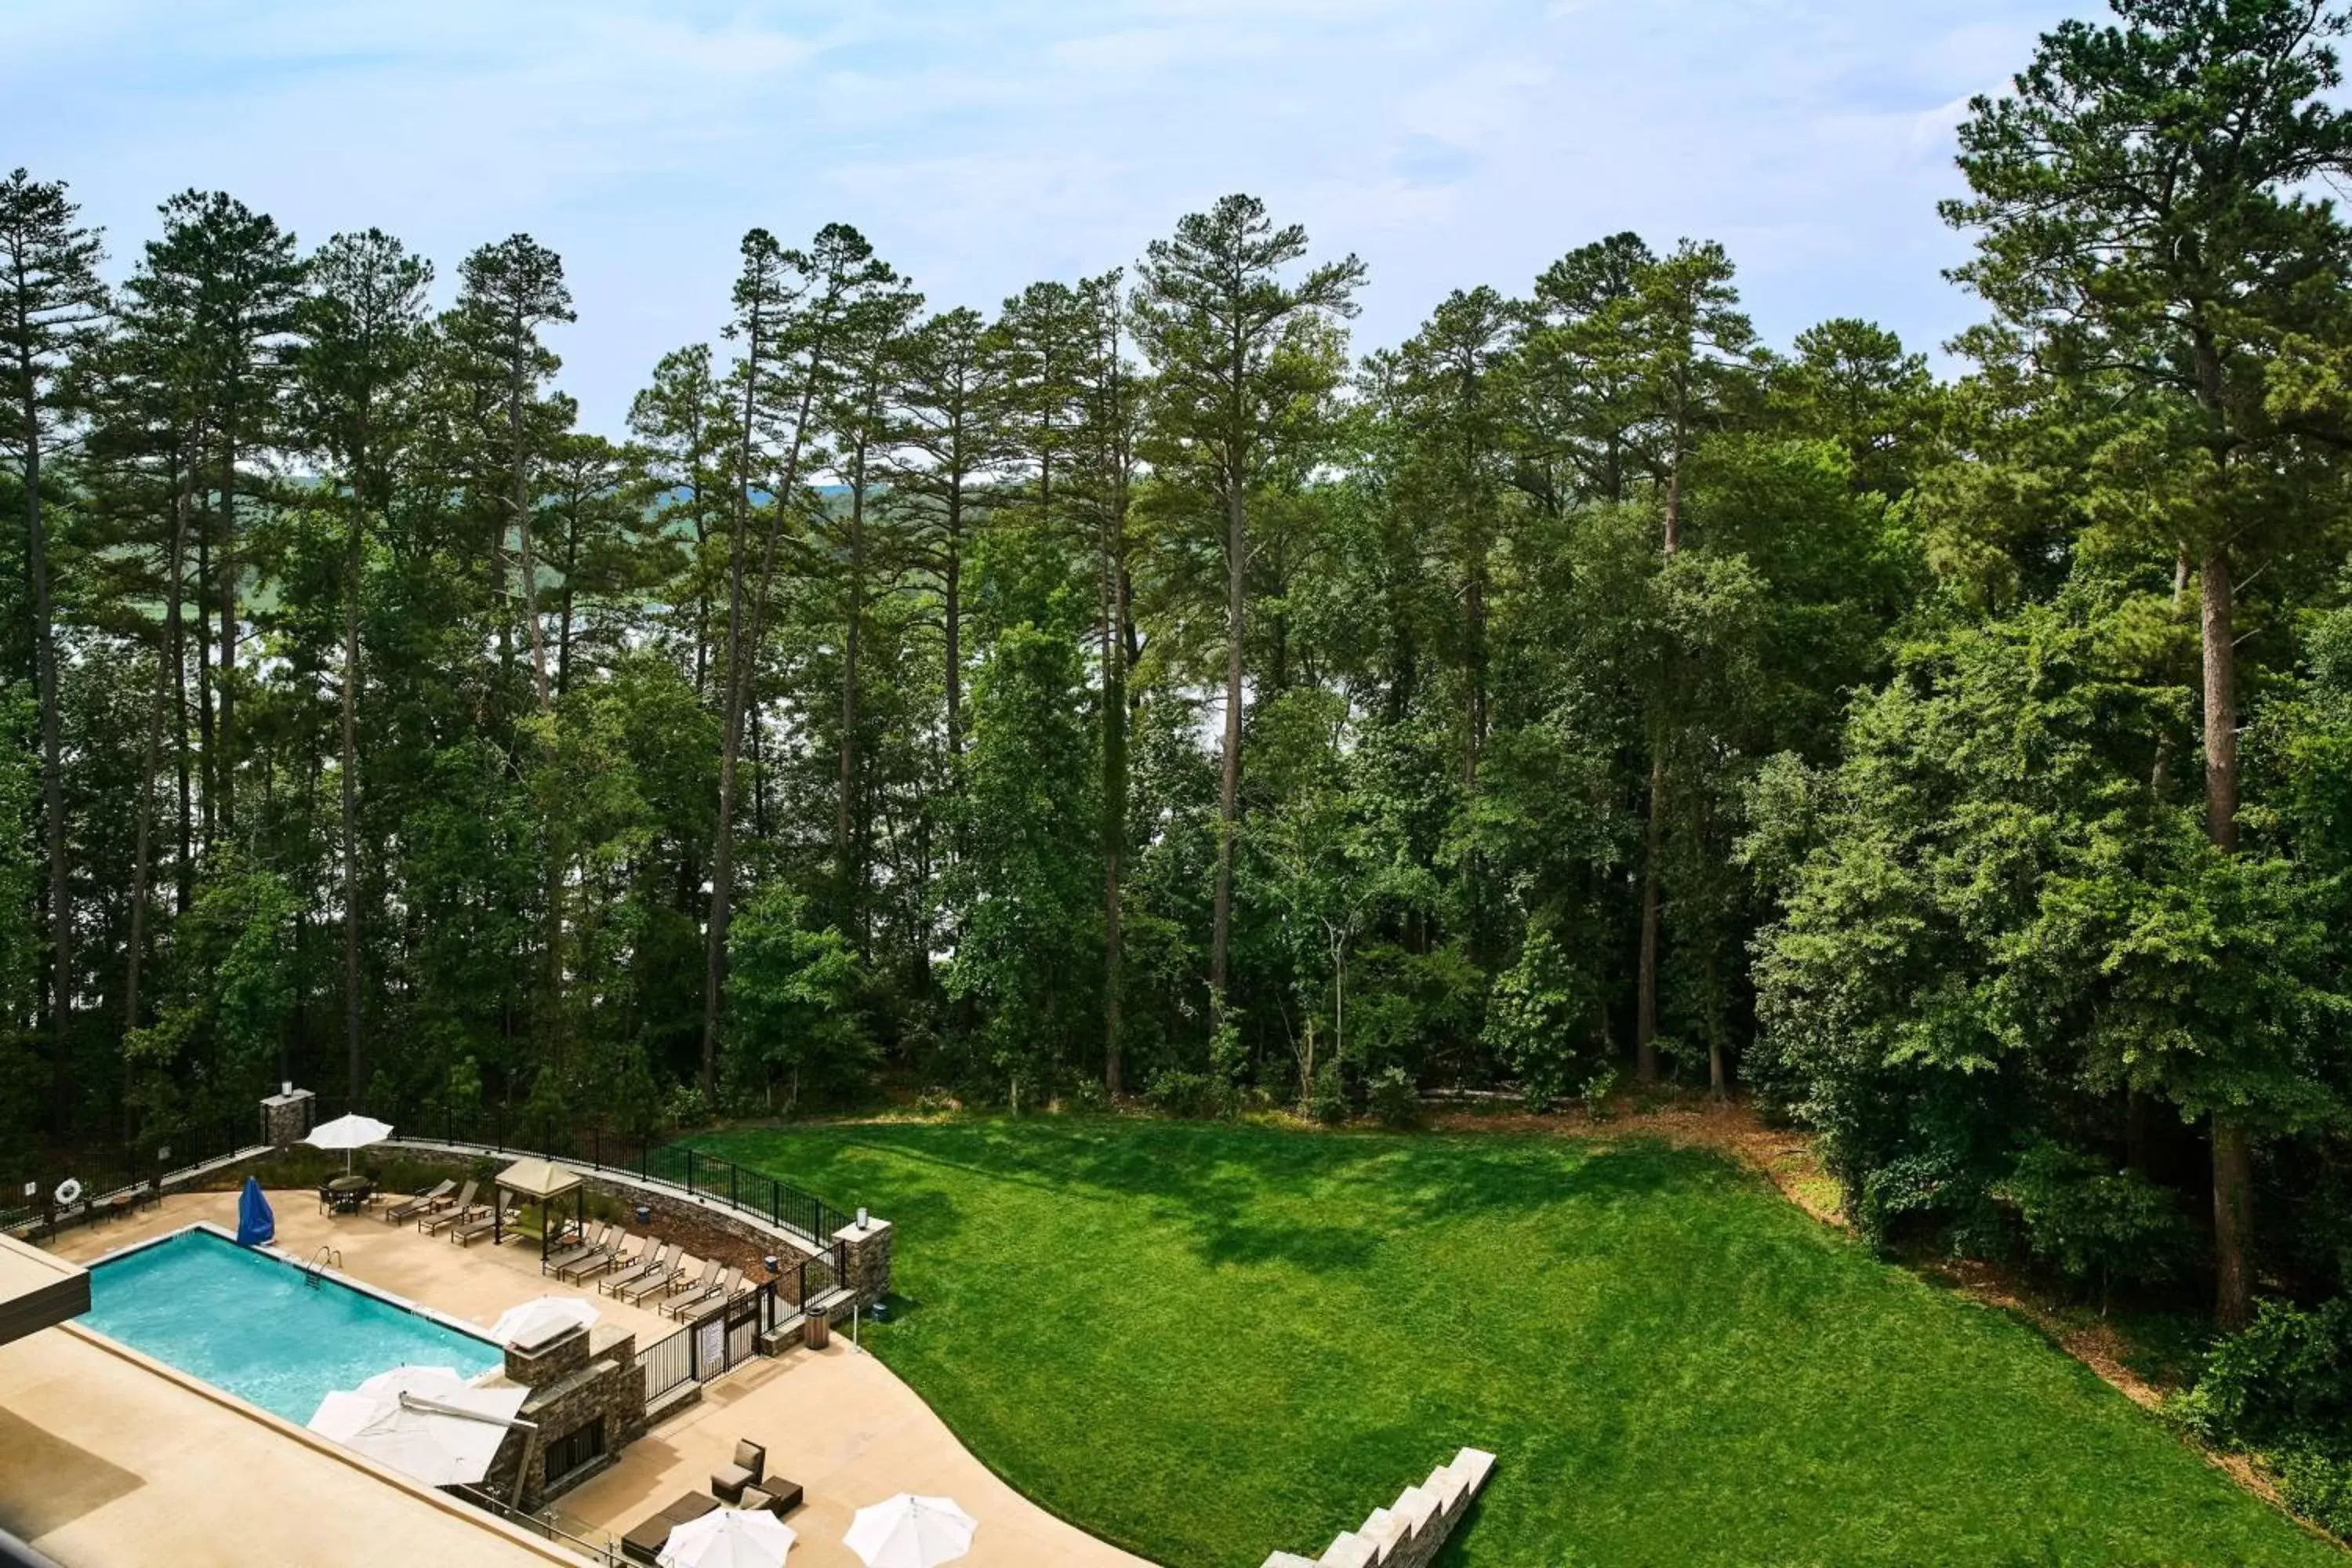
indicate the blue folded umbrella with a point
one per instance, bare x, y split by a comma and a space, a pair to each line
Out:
255, 1223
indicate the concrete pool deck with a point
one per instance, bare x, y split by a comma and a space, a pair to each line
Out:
105, 1460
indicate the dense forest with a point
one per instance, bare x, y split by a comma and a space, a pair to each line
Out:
1137, 690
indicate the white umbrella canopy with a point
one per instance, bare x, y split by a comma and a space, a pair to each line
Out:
728, 1537
909, 1532
434, 1447
542, 1319
347, 1133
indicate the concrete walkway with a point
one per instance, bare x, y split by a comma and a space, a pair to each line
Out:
838, 1422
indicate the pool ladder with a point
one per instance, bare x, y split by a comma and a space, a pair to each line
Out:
325, 1257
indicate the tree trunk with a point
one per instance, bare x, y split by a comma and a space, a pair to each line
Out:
209, 753
225, 770
1645, 1005
951, 603
353, 565
2233, 1198
143, 853
518, 479
844, 857
742, 656
1645, 1001
2233, 1223
45, 666
1114, 788
176, 633
1230, 779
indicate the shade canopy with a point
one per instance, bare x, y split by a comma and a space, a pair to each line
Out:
909, 1532
728, 1537
542, 1319
539, 1180
424, 1421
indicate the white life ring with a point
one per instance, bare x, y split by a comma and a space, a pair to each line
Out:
69, 1193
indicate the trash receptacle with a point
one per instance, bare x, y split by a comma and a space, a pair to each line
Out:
817, 1332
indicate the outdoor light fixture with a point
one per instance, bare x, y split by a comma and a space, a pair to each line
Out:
861, 1219
773, 1266
286, 1086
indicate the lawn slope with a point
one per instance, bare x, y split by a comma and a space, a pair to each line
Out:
1206, 1342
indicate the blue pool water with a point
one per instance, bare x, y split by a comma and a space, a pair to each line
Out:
252, 1324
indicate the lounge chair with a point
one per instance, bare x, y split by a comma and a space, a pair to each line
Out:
703, 1282
614, 1255
571, 1254
426, 1201
662, 1277
653, 1255
749, 1468
709, 1293
489, 1225
464, 1209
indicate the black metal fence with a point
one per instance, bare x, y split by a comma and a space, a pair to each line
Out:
667, 1363
52, 1188
718, 1340
780, 1202
605, 1147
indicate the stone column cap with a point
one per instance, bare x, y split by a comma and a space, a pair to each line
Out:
852, 1231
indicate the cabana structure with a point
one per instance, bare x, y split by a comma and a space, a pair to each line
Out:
542, 1182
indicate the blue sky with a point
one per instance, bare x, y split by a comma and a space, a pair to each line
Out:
984, 143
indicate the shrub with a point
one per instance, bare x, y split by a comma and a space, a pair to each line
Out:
1531, 1019
2092, 1223
1395, 1099
1196, 1095
1596, 1092
1089, 1095
934, 1102
1327, 1096
2282, 1387
2287, 1375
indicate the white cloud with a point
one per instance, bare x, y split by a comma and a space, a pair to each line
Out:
985, 143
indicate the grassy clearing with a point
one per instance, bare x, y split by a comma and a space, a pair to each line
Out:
1206, 1342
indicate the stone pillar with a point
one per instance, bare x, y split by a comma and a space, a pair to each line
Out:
865, 1255
285, 1118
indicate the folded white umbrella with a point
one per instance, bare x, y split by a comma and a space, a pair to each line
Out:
728, 1537
542, 1319
439, 1448
347, 1133
909, 1532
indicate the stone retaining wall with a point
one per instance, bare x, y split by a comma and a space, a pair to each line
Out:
1409, 1533
868, 1251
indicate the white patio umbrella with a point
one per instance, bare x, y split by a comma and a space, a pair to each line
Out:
909, 1532
728, 1537
542, 1319
439, 1447
347, 1133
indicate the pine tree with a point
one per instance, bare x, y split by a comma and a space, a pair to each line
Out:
50, 302
1222, 326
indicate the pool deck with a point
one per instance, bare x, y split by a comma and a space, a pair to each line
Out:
104, 1460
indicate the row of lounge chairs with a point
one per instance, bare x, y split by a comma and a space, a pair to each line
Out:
462, 1220
656, 1270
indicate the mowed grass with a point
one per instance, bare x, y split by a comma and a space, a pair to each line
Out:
1207, 1343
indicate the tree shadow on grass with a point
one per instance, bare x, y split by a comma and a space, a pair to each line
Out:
1246, 1197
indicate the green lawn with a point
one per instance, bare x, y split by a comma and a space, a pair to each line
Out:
1206, 1342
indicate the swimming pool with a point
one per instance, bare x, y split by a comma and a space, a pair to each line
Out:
255, 1324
